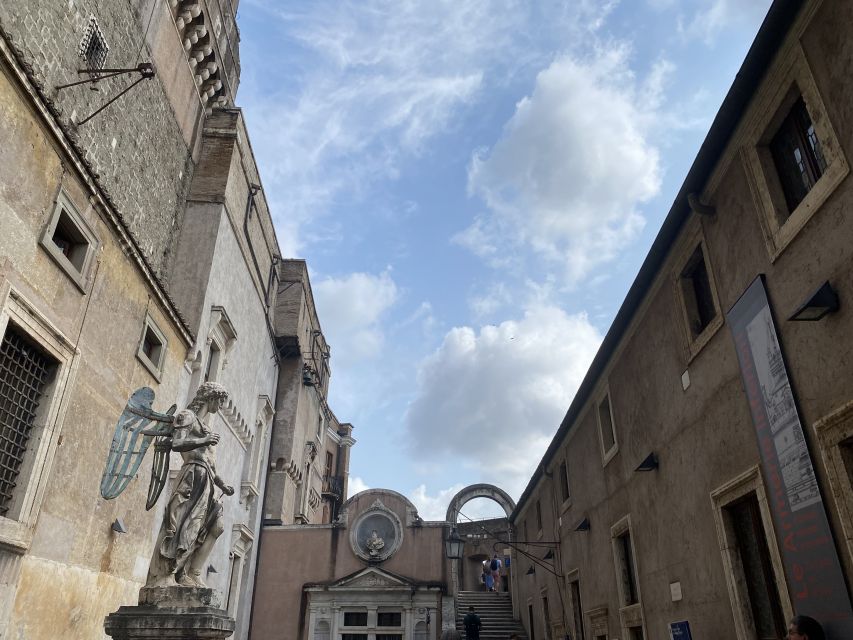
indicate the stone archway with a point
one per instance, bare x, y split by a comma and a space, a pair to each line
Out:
481, 490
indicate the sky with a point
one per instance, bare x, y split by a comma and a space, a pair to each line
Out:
474, 184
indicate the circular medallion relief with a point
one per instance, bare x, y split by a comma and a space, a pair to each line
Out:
376, 534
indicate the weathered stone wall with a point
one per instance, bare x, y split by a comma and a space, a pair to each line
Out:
137, 145
704, 435
76, 569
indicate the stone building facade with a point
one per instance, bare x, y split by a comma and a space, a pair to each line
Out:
701, 478
137, 250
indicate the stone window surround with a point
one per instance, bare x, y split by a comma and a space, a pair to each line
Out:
573, 575
242, 539
224, 335
747, 482
629, 615
79, 276
692, 237
834, 431
154, 368
16, 533
251, 483
788, 78
602, 396
597, 620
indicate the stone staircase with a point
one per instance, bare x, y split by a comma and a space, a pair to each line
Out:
495, 611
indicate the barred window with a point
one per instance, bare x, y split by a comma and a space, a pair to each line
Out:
24, 371
93, 47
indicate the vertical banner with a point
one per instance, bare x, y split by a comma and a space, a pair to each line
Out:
812, 568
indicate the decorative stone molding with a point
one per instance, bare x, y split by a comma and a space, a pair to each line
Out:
377, 533
197, 42
313, 498
235, 421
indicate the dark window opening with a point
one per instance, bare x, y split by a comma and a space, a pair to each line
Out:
635, 633
605, 420
353, 636
564, 482
530, 622
539, 515
93, 47
745, 519
70, 242
355, 618
389, 636
327, 471
629, 578
388, 619
577, 608
213, 355
152, 346
797, 155
547, 616
24, 371
698, 298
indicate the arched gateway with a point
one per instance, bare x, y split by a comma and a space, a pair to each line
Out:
480, 490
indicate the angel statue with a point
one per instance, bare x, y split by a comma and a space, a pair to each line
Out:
192, 520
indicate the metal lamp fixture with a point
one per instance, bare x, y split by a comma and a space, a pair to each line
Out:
549, 555
583, 525
531, 570
650, 463
118, 526
820, 303
454, 545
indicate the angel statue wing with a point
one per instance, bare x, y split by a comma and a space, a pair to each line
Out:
133, 435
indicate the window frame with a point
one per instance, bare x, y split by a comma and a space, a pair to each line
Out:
565, 486
606, 455
154, 368
80, 277
572, 578
17, 530
630, 615
731, 492
242, 540
788, 78
695, 239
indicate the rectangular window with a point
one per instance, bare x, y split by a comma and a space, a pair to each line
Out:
697, 294
24, 371
524, 531
389, 619
530, 622
211, 372
152, 348
577, 608
353, 636
797, 155
389, 636
628, 578
605, 425
69, 241
355, 618
635, 633
234, 583
546, 614
745, 520
564, 481
330, 459
539, 515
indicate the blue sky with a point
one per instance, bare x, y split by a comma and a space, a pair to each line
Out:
474, 185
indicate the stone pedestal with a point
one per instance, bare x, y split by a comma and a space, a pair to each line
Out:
171, 613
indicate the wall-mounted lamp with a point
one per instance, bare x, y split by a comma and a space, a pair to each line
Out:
820, 303
649, 464
583, 525
531, 571
211, 569
549, 555
118, 526
454, 545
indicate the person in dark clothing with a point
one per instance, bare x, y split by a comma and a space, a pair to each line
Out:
472, 625
804, 627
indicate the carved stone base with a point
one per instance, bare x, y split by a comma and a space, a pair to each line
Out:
171, 613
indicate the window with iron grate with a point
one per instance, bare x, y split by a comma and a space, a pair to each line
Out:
25, 369
93, 47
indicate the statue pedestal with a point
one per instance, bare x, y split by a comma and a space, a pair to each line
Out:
171, 613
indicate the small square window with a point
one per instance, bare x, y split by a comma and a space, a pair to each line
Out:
389, 619
606, 428
152, 348
355, 618
697, 294
69, 241
93, 47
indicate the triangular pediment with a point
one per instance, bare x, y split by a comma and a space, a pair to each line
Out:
371, 577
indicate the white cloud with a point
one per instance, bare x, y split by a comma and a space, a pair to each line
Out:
355, 485
351, 309
494, 398
573, 164
714, 16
